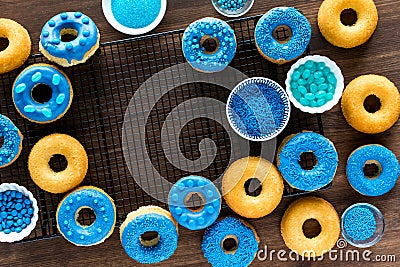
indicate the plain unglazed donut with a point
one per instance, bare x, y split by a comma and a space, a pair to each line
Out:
353, 104
344, 36
19, 46
297, 214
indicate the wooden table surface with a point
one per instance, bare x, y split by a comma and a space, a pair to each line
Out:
380, 56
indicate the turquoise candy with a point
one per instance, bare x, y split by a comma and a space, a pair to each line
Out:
309, 64
302, 90
304, 101
320, 94
319, 81
310, 79
310, 96
329, 96
306, 74
318, 74
296, 94
313, 88
331, 89
320, 102
323, 87
332, 79
302, 82
327, 70
313, 103
321, 66
296, 75
293, 85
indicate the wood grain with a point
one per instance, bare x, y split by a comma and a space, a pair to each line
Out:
379, 56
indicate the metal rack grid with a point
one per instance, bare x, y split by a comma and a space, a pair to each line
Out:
103, 87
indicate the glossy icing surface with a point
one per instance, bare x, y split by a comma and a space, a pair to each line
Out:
390, 170
283, 16
68, 210
50, 76
322, 173
214, 235
87, 35
195, 53
12, 141
156, 222
194, 220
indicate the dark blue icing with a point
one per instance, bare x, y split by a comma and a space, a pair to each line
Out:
194, 220
75, 49
11, 141
387, 178
322, 173
194, 52
159, 223
102, 206
50, 76
215, 234
283, 16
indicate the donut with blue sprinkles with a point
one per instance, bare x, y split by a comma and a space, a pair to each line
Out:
52, 109
383, 180
289, 155
239, 251
86, 197
209, 44
282, 52
153, 248
12, 141
185, 212
73, 52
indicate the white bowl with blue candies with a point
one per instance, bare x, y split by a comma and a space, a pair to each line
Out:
232, 8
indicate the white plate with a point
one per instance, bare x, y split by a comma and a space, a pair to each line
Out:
106, 5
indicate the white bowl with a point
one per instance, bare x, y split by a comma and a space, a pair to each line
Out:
233, 14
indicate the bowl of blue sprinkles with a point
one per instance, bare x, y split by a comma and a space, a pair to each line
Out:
18, 212
258, 109
362, 225
232, 8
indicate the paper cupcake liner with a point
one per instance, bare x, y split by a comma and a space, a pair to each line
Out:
14, 236
339, 84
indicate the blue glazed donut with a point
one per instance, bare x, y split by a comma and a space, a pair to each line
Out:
12, 144
61, 96
149, 219
272, 49
385, 180
288, 161
75, 51
206, 29
182, 191
241, 232
86, 197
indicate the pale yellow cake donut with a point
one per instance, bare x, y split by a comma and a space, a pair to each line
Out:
297, 214
41, 172
19, 45
344, 36
353, 104
233, 187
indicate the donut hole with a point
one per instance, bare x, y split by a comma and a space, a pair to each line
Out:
311, 228
282, 34
85, 216
308, 160
253, 187
372, 169
209, 44
41, 93
372, 104
348, 17
68, 35
149, 238
3, 43
194, 201
230, 244
58, 163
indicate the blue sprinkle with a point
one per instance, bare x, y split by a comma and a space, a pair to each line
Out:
14, 213
56, 79
18, 229
85, 20
86, 33
29, 108
27, 201
30, 211
3, 215
83, 41
359, 223
78, 15
47, 112
64, 15
18, 195
69, 46
20, 88
18, 206
45, 34
36, 77
7, 231
60, 99
52, 23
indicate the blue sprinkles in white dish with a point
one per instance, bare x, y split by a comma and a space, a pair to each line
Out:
12, 141
258, 109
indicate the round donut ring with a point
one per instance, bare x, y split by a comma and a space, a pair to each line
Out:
184, 212
385, 179
44, 150
297, 214
353, 104
233, 187
12, 145
19, 45
344, 36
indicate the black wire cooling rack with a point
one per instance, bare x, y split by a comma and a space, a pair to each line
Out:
103, 88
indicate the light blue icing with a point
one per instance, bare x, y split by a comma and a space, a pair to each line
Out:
194, 220
387, 178
283, 16
196, 55
11, 141
75, 49
159, 223
322, 173
214, 235
81, 235
50, 76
